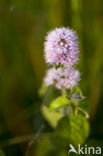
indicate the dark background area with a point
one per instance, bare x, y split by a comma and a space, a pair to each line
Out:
23, 26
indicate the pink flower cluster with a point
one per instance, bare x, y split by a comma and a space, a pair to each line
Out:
67, 77
61, 47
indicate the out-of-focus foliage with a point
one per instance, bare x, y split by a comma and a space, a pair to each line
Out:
2, 153
23, 25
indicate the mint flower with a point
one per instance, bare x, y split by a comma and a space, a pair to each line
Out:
61, 46
67, 77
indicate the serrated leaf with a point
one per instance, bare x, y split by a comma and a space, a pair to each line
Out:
74, 130
59, 102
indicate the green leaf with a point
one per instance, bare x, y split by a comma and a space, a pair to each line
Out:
39, 147
50, 150
59, 102
74, 130
51, 117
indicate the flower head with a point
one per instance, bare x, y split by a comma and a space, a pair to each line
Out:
67, 77
61, 46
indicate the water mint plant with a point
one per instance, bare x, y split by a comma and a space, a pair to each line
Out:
64, 111
61, 52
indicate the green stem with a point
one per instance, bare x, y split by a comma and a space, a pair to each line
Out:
18, 140
64, 93
75, 109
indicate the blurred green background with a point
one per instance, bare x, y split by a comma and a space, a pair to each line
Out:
23, 26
